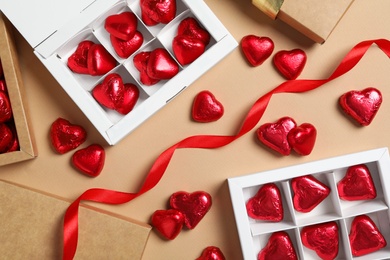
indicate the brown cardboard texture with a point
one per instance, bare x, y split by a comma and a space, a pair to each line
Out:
31, 228
19, 106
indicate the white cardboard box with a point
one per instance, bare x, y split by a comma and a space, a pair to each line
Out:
254, 234
54, 29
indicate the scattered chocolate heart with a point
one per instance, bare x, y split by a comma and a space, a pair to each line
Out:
154, 12
99, 61
365, 237
279, 246
323, 238
206, 108
211, 253
141, 62
78, 61
6, 137
5, 107
161, 65
190, 28
266, 204
65, 136
194, 206
124, 48
187, 49
302, 138
89, 160
361, 105
290, 63
168, 223
274, 135
122, 26
256, 49
357, 184
308, 193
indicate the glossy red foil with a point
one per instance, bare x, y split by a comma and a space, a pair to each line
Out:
308, 193
323, 238
279, 246
357, 184
290, 63
168, 223
65, 136
211, 253
154, 12
256, 49
206, 108
90, 160
266, 204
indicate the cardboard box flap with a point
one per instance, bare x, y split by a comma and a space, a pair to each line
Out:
37, 20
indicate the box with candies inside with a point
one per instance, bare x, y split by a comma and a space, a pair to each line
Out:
121, 61
16, 139
335, 208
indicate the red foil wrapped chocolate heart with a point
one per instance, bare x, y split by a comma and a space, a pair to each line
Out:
113, 94
257, 49
6, 137
206, 108
274, 135
357, 184
99, 61
141, 63
190, 28
78, 61
308, 193
361, 105
122, 26
365, 237
161, 65
90, 160
14, 144
290, 63
323, 238
5, 107
266, 204
187, 49
124, 48
279, 246
194, 206
302, 138
211, 253
65, 136
157, 11
168, 223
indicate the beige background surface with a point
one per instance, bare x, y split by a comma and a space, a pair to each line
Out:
237, 86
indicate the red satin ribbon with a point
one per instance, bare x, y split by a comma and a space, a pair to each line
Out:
205, 141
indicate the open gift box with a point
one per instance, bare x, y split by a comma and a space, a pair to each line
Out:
55, 29
15, 92
254, 233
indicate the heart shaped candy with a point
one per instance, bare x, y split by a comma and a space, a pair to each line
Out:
14, 144
194, 206
168, 223
211, 253
274, 135
189, 27
279, 246
357, 184
161, 65
256, 49
361, 105
266, 204
122, 26
206, 108
99, 61
6, 137
157, 11
113, 94
187, 49
365, 237
65, 136
78, 61
302, 138
323, 238
308, 193
90, 160
124, 48
290, 63
5, 108
140, 61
